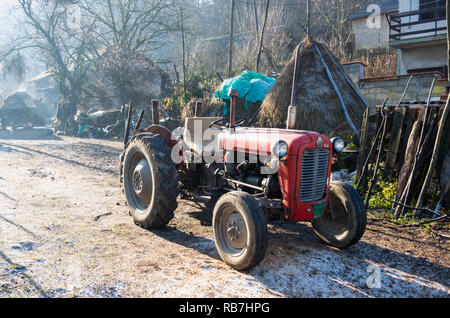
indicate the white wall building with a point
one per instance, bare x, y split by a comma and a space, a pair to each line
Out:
417, 28
371, 25
419, 31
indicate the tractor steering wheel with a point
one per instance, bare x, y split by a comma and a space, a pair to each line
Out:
223, 123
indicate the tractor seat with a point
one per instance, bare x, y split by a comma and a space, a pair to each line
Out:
195, 138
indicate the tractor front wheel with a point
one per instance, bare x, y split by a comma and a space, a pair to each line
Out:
344, 221
240, 230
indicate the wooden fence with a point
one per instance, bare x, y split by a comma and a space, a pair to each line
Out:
386, 148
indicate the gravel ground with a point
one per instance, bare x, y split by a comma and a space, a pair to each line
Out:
65, 232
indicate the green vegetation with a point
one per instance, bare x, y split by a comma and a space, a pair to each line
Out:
384, 190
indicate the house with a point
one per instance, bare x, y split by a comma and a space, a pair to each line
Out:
417, 30
371, 25
44, 89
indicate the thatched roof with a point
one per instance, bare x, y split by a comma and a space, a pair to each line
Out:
118, 77
318, 106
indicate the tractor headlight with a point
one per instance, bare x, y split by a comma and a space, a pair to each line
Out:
338, 144
279, 148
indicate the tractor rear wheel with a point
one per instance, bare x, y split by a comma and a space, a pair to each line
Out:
344, 221
150, 181
240, 230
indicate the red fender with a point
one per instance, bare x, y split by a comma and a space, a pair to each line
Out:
166, 134
162, 131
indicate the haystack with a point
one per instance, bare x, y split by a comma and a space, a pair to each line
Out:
318, 105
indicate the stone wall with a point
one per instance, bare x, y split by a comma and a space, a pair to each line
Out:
375, 90
355, 71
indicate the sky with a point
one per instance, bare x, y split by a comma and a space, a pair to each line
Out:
5, 17
7, 21
5, 5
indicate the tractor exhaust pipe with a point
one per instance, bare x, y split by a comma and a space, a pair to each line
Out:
234, 94
292, 115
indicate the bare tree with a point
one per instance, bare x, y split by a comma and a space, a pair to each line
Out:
333, 16
65, 51
132, 25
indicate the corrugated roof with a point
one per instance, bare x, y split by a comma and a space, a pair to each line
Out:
387, 6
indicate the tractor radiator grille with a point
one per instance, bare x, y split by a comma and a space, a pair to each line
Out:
314, 174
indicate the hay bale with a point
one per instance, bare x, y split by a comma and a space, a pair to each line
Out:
318, 105
210, 108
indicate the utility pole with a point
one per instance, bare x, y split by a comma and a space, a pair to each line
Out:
256, 17
184, 54
230, 52
261, 39
448, 46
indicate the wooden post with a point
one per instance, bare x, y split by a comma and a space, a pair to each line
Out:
394, 143
407, 168
261, 39
364, 143
435, 155
230, 51
407, 128
448, 44
128, 125
377, 164
308, 18
198, 108
155, 111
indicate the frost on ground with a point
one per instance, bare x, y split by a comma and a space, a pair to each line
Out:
65, 232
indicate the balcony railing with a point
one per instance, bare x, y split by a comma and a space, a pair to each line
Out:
417, 23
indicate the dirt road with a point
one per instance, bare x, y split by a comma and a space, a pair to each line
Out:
65, 232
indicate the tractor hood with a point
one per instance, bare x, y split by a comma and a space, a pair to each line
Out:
260, 140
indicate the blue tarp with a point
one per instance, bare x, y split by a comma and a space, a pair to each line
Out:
253, 87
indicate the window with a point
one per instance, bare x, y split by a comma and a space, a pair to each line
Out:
430, 14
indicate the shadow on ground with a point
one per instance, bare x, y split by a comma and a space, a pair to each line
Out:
28, 134
67, 160
21, 271
294, 251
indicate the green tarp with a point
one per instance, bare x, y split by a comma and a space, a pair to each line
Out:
252, 87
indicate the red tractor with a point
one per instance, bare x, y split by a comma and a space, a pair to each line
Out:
253, 175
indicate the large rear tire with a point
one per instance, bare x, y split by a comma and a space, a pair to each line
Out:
240, 230
150, 181
344, 222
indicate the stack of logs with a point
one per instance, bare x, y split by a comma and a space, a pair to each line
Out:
412, 141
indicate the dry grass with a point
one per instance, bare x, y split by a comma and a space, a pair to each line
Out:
318, 106
378, 62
